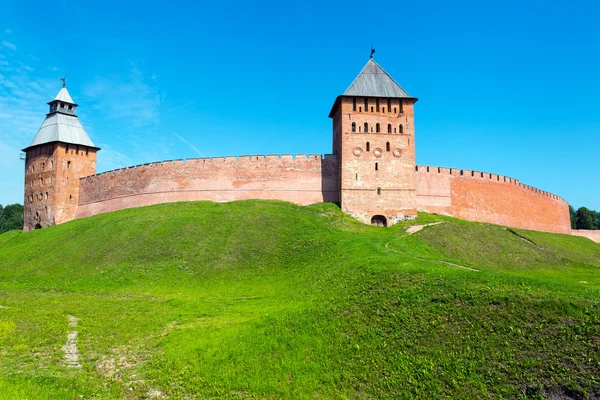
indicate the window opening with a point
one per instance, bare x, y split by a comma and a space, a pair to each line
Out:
377, 128
366, 104
376, 166
379, 191
366, 127
389, 128
387, 146
354, 104
389, 101
401, 129
354, 127
377, 104
368, 146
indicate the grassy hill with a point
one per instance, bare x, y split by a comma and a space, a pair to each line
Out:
260, 299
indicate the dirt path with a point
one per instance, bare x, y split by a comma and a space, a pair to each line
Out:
416, 228
70, 348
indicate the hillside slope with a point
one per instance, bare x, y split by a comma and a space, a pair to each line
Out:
260, 299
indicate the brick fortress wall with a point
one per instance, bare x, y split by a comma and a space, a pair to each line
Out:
301, 179
484, 197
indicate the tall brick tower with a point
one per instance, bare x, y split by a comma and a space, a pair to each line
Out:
373, 137
59, 155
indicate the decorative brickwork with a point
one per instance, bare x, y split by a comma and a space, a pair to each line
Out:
377, 153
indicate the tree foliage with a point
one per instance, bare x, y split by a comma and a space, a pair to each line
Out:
584, 218
11, 217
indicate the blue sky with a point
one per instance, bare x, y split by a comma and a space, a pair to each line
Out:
505, 87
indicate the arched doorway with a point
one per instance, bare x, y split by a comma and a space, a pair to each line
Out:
379, 220
37, 226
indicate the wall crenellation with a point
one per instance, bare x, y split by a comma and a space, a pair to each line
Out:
223, 159
466, 173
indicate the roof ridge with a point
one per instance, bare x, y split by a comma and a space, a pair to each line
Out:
374, 81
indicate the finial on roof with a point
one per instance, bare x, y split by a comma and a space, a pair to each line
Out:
372, 52
64, 81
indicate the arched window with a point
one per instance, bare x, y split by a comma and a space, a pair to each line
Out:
68, 164
368, 146
379, 191
377, 129
377, 105
389, 128
366, 127
387, 146
354, 127
400, 129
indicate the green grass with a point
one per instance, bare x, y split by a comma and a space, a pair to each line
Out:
260, 299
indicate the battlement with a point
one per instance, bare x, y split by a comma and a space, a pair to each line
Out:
229, 160
496, 178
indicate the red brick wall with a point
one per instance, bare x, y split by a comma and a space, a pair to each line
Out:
592, 235
378, 179
484, 197
302, 180
52, 173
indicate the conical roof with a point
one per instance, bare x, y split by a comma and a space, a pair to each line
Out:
61, 127
373, 81
64, 96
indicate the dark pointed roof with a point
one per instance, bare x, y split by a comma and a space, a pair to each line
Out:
373, 81
61, 127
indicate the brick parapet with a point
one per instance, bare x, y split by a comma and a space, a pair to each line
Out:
592, 235
495, 178
302, 179
485, 197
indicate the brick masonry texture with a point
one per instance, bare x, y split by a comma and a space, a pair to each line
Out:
592, 235
52, 173
301, 179
484, 197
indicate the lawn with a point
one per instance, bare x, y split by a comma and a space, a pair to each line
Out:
264, 299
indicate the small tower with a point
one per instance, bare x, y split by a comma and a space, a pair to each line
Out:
373, 137
59, 155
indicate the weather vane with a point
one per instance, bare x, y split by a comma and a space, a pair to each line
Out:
372, 52
64, 81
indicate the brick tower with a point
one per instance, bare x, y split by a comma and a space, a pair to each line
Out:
59, 155
373, 137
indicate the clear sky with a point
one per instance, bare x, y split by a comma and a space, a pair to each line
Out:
507, 87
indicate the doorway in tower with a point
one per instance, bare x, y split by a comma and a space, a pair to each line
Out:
38, 226
379, 220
